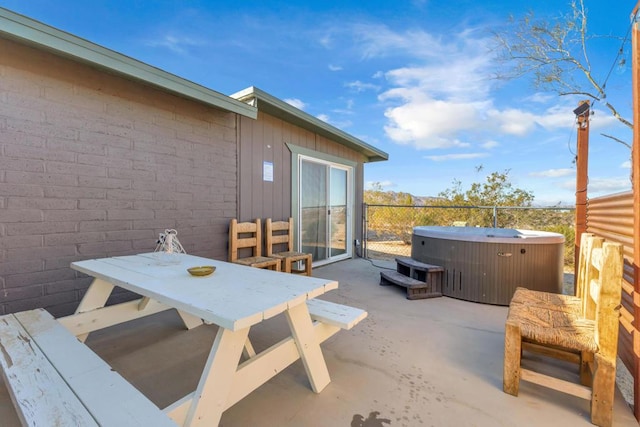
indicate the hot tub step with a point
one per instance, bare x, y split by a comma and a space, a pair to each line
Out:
416, 289
430, 274
417, 265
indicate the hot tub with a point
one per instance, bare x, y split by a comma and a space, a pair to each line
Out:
488, 264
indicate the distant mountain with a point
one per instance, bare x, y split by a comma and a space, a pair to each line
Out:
374, 197
425, 200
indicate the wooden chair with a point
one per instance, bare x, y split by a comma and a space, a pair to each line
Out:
248, 235
584, 331
281, 233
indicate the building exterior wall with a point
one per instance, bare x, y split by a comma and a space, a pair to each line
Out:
93, 165
266, 139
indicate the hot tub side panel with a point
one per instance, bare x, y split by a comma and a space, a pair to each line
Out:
490, 272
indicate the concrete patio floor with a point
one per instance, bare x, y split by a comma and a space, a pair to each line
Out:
434, 362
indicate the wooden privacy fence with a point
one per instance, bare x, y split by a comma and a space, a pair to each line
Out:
611, 217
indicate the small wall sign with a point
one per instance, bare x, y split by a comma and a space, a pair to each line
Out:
267, 171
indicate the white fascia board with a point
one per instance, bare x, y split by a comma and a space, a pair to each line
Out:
29, 31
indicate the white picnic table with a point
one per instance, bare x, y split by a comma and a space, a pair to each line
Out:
234, 297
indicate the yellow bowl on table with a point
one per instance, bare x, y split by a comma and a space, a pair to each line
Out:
200, 271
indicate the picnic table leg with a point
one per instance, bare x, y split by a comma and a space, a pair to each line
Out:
210, 398
190, 321
308, 346
95, 297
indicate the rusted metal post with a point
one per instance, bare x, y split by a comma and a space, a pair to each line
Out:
582, 165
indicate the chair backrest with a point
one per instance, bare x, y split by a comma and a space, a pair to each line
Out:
244, 235
278, 233
606, 290
581, 268
587, 273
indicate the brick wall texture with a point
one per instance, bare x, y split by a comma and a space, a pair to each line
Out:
93, 165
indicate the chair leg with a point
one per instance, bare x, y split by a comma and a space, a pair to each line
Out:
512, 356
307, 266
604, 382
586, 360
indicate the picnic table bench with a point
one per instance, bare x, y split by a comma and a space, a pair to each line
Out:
420, 279
56, 380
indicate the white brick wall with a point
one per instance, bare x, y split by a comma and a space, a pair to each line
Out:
92, 165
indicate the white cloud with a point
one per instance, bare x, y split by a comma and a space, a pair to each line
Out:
296, 103
608, 185
490, 144
429, 123
601, 119
541, 98
377, 40
335, 67
463, 156
448, 93
175, 43
323, 117
512, 121
601, 186
359, 86
626, 165
554, 173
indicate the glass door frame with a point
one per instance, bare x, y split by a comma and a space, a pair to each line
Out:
298, 154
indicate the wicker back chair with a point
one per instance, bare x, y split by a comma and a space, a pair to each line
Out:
280, 234
248, 235
582, 330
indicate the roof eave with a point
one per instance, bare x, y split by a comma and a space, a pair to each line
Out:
278, 108
28, 31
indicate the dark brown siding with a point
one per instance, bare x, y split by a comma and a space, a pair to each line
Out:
265, 139
93, 165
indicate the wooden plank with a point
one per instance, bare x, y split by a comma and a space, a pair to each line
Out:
39, 393
418, 265
100, 389
556, 353
82, 323
568, 387
401, 280
339, 315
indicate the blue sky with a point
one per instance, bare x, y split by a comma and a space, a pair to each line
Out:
412, 78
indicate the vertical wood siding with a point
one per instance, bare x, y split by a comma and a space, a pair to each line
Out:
265, 139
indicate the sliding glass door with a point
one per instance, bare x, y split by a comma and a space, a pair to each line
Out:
325, 217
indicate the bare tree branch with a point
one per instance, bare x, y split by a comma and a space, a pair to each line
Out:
556, 54
617, 140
